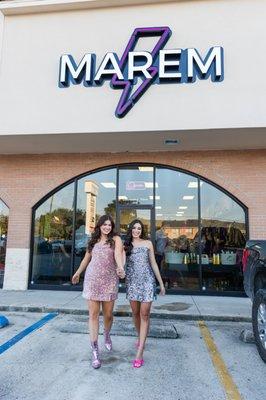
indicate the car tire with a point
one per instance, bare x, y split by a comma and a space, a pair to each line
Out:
259, 322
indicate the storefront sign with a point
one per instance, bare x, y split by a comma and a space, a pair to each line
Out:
158, 66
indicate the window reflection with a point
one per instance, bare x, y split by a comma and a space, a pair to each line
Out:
3, 238
176, 246
127, 215
188, 251
96, 195
53, 238
136, 185
223, 236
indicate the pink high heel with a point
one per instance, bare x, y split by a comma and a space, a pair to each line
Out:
138, 363
95, 362
107, 340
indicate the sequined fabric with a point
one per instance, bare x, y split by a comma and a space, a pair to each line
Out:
101, 280
140, 279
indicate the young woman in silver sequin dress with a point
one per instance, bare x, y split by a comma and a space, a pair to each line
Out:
103, 265
141, 270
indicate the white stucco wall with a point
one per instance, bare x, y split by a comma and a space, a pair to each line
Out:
32, 103
1, 37
16, 269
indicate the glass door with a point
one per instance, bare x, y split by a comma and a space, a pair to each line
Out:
128, 214
125, 215
177, 236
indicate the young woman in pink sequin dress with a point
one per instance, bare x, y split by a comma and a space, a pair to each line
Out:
104, 267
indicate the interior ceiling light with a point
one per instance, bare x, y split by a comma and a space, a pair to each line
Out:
182, 207
159, 215
146, 169
188, 197
149, 185
156, 197
158, 207
170, 142
108, 185
193, 184
122, 197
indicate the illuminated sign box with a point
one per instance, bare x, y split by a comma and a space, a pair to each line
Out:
158, 66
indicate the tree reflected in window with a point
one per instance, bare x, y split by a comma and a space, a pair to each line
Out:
53, 236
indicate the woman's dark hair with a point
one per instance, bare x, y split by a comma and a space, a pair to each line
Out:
128, 240
97, 232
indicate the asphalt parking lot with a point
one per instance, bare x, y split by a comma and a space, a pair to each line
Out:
183, 360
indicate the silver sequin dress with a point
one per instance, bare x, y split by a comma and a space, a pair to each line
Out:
140, 278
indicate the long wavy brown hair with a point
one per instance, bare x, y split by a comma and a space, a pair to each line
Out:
128, 246
96, 236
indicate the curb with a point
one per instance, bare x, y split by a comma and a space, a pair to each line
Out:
184, 317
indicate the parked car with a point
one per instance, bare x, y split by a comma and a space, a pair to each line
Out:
254, 270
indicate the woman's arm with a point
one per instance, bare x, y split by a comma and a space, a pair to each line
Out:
83, 265
155, 268
119, 257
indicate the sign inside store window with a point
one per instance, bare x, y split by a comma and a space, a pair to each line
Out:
136, 71
135, 185
91, 189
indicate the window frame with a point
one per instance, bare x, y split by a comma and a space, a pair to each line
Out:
75, 180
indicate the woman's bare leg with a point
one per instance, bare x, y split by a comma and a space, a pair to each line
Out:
135, 307
145, 309
94, 312
108, 307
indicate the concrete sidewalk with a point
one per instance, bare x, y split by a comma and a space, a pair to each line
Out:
170, 306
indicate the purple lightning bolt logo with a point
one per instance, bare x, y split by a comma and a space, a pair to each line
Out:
126, 102
169, 66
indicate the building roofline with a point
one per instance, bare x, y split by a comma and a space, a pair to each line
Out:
18, 7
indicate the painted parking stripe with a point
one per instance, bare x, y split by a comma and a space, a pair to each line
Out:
225, 377
27, 331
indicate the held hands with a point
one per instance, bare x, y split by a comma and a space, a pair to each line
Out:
162, 290
121, 272
75, 278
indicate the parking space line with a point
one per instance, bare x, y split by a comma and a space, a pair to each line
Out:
225, 377
5, 346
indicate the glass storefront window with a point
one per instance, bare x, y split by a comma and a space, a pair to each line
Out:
136, 185
176, 246
53, 236
198, 231
223, 236
3, 238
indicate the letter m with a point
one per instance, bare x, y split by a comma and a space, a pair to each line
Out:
69, 71
212, 65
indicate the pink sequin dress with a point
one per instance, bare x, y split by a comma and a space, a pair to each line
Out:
101, 280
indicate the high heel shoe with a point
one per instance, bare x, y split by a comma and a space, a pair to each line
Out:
138, 363
107, 340
95, 362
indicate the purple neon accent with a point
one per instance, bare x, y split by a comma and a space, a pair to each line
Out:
126, 102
